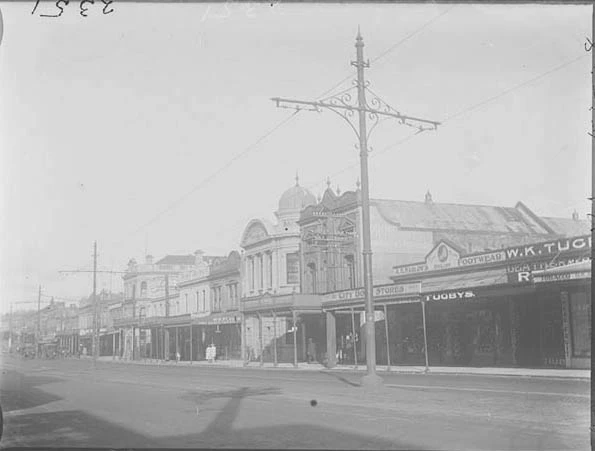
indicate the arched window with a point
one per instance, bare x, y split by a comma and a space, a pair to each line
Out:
186, 299
196, 302
177, 308
143, 289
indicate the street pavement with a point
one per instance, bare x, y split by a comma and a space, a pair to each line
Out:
69, 403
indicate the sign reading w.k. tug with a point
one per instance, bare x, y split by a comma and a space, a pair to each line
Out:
547, 251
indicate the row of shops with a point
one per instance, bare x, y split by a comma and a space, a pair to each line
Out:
488, 314
526, 306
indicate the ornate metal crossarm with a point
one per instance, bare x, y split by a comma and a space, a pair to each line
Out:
317, 106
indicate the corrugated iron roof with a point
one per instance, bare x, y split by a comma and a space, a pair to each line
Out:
568, 227
443, 216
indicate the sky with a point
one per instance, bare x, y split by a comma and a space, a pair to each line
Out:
151, 129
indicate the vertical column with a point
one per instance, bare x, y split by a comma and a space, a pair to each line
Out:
243, 340
275, 337
331, 339
353, 337
423, 315
294, 338
387, 338
177, 342
566, 328
304, 341
514, 330
260, 339
133, 342
191, 347
113, 345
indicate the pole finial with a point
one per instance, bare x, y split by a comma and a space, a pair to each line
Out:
359, 34
328, 182
297, 179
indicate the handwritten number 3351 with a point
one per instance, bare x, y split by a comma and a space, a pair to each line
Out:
60, 4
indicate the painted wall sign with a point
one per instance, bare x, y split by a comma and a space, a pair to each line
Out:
411, 269
561, 277
521, 272
549, 248
444, 256
450, 295
483, 259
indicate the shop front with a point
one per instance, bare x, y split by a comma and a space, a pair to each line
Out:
283, 329
511, 308
398, 325
570, 287
222, 330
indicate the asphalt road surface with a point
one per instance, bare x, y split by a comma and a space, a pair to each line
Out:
66, 403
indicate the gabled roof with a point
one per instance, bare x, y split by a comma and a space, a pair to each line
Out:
177, 260
568, 226
461, 217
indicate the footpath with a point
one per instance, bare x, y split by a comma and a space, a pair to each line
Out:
401, 369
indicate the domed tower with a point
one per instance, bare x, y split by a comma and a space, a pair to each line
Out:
294, 200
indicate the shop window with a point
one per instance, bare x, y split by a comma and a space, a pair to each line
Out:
580, 314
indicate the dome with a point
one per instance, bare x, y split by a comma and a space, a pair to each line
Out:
296, 198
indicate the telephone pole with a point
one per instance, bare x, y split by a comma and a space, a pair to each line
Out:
96, 312
95, 309
38, 322
375, 110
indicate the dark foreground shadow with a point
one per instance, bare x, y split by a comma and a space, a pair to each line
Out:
18, 391
76, 429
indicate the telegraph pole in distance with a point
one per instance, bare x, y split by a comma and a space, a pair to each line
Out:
344, 105
96, 316
38, 322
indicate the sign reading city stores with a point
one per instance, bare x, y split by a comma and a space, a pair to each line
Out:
379, 292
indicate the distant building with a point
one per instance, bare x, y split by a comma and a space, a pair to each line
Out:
149, 290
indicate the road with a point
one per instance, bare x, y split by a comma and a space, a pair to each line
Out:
69, 404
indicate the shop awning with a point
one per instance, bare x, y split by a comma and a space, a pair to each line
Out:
476, 279
219, 318
574, 271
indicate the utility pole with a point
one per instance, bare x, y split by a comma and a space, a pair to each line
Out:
38, 322
96, 316
376, 110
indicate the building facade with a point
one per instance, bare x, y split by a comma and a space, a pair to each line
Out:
278, 319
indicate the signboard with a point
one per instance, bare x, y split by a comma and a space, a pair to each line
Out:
551, 248
442, 256
521, 272
561, 277
450, 295
293, 268
483, 259
379, 292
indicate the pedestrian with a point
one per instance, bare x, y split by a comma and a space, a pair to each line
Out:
178, 356
311, 350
